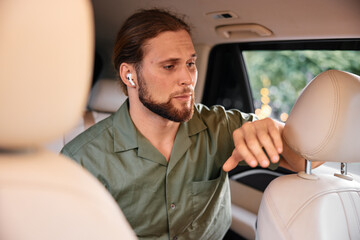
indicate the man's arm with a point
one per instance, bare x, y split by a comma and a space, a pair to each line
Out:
252, 137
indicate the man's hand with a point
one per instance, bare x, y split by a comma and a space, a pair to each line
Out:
250, 140
252, 137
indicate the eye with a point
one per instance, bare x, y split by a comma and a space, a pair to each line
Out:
191, 64
169, 67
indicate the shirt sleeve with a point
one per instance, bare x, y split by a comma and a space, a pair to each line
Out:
64, 151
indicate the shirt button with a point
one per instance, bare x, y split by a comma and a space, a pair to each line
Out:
173, 206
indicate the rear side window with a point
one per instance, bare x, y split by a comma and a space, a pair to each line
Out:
277, 77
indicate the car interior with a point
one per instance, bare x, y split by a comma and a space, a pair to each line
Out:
288, 60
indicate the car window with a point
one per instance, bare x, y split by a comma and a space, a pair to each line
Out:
277, 77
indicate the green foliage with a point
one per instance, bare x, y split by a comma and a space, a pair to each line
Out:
286, 73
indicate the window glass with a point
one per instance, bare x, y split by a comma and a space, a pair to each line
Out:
277, 78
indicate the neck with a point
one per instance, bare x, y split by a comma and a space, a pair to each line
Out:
159, 131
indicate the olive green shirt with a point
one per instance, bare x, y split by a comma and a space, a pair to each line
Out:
185, 198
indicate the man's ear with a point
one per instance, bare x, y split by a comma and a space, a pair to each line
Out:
128, 74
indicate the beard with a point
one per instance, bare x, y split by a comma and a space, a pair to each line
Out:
166, 109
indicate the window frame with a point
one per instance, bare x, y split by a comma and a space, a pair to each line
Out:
214, 74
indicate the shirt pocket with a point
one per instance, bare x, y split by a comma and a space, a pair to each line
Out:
205, 195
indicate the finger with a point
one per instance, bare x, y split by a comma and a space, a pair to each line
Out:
275, 134
255, 147
230, 164
259, 153
234, 160
242, 151
269, 147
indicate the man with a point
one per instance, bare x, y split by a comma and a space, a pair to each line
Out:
162, 157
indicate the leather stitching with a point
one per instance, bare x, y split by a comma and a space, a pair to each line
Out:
345, 212
334, 117
356, 215
275, 212
312, 198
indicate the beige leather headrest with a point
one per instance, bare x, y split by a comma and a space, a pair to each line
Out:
106, 96
324, 124
45, 70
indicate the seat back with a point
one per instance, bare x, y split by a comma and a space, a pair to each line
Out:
323, 126
105, 98
46, 57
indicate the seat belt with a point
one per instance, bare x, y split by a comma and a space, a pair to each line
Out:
88, 119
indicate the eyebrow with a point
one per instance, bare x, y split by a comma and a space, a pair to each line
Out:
175, 59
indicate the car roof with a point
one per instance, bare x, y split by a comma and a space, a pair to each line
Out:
287, 20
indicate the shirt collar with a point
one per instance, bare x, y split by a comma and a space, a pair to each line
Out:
195, 124
126, 134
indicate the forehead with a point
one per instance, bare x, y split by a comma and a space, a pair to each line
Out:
169, 45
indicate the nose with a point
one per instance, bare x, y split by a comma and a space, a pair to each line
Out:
187, 76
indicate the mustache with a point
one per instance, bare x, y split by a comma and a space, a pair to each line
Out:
187, 90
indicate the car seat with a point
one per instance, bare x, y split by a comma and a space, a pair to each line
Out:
105, 98
46, 58
323, 126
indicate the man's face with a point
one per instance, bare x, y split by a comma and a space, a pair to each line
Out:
168, 76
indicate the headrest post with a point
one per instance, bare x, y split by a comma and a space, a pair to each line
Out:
343, 169
308, 167
343, 172
307, 174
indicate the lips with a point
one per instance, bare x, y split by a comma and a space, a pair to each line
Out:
184, 96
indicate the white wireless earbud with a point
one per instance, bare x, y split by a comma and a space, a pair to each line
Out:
128, 76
